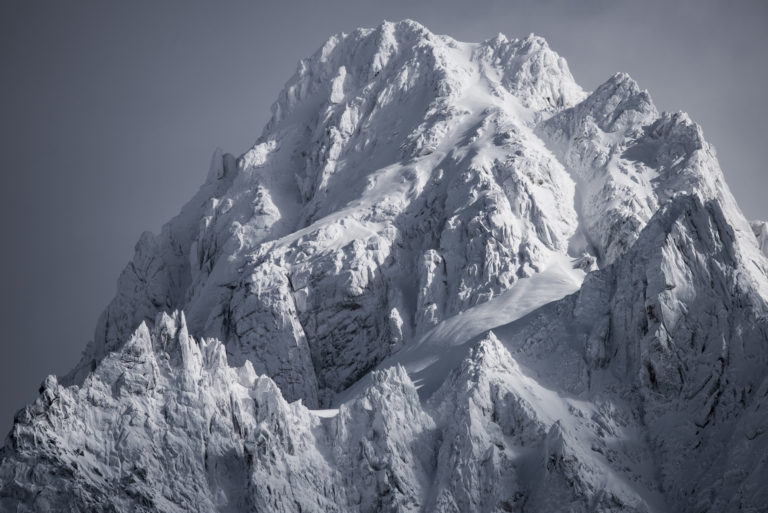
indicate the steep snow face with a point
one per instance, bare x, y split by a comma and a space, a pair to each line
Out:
409, 194
674, 334
511, 444
398, 182
165, 424
628, 161
689, 322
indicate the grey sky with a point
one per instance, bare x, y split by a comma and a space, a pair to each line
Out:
109, 112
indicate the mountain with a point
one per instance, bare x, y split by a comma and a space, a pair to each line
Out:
444, 278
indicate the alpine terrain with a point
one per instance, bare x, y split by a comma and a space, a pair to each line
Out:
444, 279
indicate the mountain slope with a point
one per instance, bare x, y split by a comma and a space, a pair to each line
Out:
409, 194
390, 148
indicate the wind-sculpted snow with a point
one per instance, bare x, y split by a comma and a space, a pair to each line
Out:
165, 424
507, 295
677, 331
689, 322
392, 154
628, 161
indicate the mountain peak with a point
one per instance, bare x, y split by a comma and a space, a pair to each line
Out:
444, 278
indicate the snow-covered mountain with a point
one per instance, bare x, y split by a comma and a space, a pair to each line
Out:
444, 279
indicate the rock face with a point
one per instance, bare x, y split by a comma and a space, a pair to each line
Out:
392, 155
405, 246
164, 424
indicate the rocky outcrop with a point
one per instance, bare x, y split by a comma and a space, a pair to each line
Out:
405, 247
386, 145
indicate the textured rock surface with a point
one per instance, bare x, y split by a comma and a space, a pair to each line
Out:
164, 424
388, 150
409, 194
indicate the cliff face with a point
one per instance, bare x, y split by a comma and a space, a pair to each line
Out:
409, 194
398, 182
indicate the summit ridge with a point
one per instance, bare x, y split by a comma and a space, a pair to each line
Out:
444, 278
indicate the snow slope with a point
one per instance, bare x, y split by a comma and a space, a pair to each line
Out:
444, 278
389, 150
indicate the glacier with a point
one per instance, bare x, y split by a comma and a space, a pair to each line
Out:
445, 278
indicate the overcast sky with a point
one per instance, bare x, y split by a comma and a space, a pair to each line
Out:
109, 113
